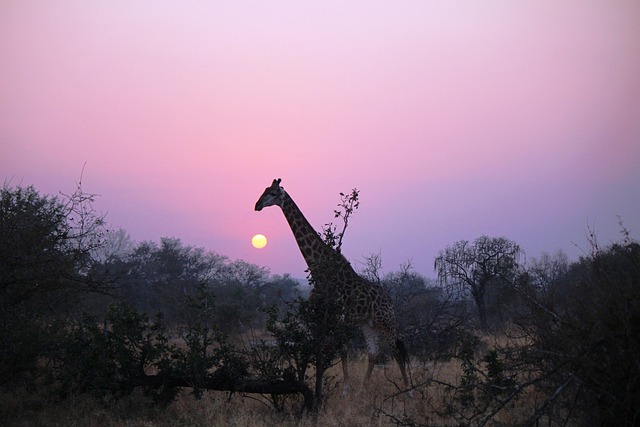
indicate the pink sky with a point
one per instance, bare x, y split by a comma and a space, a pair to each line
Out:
453, 119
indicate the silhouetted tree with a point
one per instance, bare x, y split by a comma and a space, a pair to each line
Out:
546, 278
477, 267
45, 268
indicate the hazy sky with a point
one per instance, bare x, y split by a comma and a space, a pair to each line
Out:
453, 119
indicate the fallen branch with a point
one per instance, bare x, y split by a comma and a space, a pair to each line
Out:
223, 383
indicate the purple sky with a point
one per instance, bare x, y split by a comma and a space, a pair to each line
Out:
453, 119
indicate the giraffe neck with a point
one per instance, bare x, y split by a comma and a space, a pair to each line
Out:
315, 251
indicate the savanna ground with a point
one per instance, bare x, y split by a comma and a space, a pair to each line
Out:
381, 402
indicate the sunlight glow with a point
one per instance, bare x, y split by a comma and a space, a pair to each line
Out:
259, 241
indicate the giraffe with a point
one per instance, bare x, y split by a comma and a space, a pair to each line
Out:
364, 303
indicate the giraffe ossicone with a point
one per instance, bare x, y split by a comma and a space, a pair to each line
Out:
365, 303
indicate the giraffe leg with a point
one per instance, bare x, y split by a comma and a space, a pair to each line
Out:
371, 337
370, 364
405, 377
345, 372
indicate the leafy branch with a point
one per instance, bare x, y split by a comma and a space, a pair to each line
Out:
349, 203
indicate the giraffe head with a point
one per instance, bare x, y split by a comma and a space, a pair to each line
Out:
273, 195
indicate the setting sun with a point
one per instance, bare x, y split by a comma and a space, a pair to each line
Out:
259, 241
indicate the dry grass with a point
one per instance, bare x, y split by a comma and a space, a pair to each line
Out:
379, 403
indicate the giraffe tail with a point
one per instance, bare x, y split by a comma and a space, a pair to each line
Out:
403, 361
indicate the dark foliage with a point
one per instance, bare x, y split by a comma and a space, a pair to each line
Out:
136, 352
45, 269
586, 339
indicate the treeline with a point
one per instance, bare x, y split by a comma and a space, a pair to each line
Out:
86, 310
59, 261
161, 277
